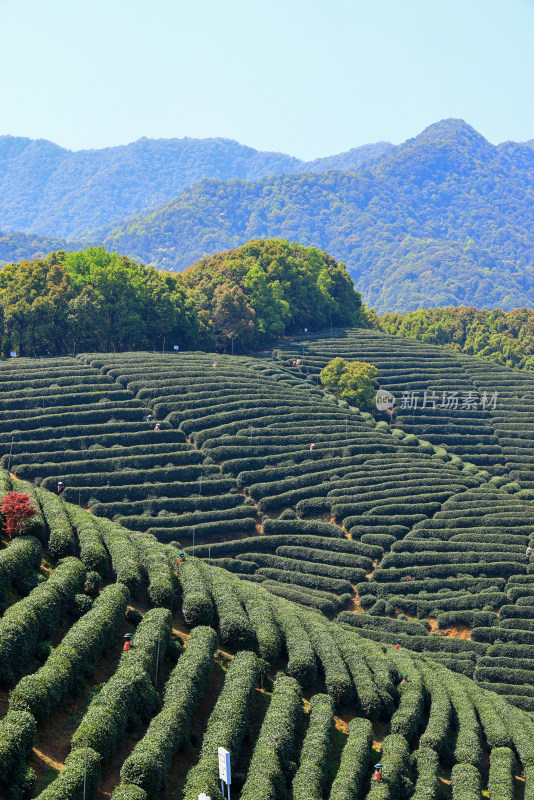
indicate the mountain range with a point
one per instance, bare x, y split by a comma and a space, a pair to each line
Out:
51, 191
445, 218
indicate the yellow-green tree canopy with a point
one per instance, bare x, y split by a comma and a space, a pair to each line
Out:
350, 380
281, 287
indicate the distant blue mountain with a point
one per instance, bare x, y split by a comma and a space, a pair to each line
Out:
48, 190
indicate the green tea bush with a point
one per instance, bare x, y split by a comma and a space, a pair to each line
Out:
129, 792
310, 778
93, 554
307, 581
409, 713
395, 782
17, 733
370, 700
260, 613
265, 560
125, 563
426, 763
466, 782
226, 726
296, 642
268, 771
161, 579
302, 527
355, 760
322, 601
326, 557
233, 624
148, 764
128, 697
336, 675
74, 658
35, 617
440, 713
17, 564
197, 605
60, 533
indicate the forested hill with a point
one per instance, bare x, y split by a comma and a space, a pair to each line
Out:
444, 219
19, 246
49, 190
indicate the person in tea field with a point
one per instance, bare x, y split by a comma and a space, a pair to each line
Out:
157, 427
529, 552
60, 487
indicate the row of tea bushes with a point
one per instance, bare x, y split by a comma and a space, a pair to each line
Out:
359, 675
65, 411
439, 394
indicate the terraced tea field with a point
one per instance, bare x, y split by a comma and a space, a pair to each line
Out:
304, 706
452, 414
412, 534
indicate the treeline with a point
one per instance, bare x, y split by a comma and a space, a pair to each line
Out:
506, 337
94, 300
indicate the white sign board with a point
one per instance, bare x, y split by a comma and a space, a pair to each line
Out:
224, 766
13, 354
176, 347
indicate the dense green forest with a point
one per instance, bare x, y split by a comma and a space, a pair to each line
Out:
96, 300
504, 337
19, 246
444, 219
49, 190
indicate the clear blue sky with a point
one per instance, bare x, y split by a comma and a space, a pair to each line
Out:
306, 77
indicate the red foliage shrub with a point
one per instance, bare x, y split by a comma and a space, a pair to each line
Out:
16, 508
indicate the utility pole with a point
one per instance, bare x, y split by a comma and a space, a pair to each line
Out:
85, 767
10, 453
157, 659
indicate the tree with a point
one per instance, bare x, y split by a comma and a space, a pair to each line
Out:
233, 318
267, 300
287, 286
350, 380
16, 509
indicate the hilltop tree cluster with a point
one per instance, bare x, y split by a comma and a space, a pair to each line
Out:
94, 300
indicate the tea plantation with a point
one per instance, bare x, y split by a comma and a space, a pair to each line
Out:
304, 568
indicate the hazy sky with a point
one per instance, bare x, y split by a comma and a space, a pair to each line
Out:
306, 77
